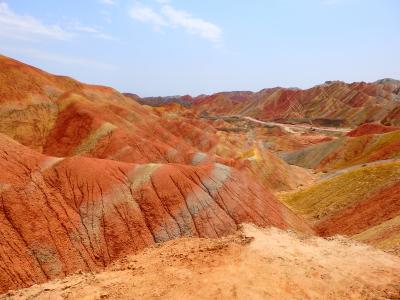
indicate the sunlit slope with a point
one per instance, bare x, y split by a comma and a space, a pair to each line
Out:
29, 96
62, 215
366, 199
347, 151
62, 117
333, 103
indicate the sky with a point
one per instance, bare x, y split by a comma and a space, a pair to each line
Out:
178, 47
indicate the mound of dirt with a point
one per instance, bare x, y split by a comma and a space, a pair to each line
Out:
252, 264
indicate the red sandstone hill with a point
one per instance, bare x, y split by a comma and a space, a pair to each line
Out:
59, 116
362, 145
371, 128
333, 103
159, 101
89, 176
61, 215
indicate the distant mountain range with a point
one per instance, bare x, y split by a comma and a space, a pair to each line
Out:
158, 101
334, 103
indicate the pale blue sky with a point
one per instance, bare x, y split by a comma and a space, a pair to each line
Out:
169, 47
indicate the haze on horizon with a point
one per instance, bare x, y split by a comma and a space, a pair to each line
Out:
170, 47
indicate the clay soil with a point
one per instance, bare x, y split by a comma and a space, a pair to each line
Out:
253, 263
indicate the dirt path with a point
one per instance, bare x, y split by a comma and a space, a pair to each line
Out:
253, 264
294, 128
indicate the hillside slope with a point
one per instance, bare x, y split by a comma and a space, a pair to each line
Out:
61, 215
347, 151
333, 103
363, 203
61, 117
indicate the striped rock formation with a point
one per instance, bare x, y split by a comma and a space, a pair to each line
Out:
89, 176
362, 145
362, 202
333, 103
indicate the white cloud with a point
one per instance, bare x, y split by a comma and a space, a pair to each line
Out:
57, 58
168, 16
109, 2
148, 15
191, 24
24, 27
76, 26
86, 29
106, 36
17, 26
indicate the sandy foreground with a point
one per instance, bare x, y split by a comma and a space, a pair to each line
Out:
252, 264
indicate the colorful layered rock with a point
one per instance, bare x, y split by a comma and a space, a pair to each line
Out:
90, 176
333, 104
363, 203
348, 151
61, 215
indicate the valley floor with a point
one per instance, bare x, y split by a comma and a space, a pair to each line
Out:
252, 264
293, 128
